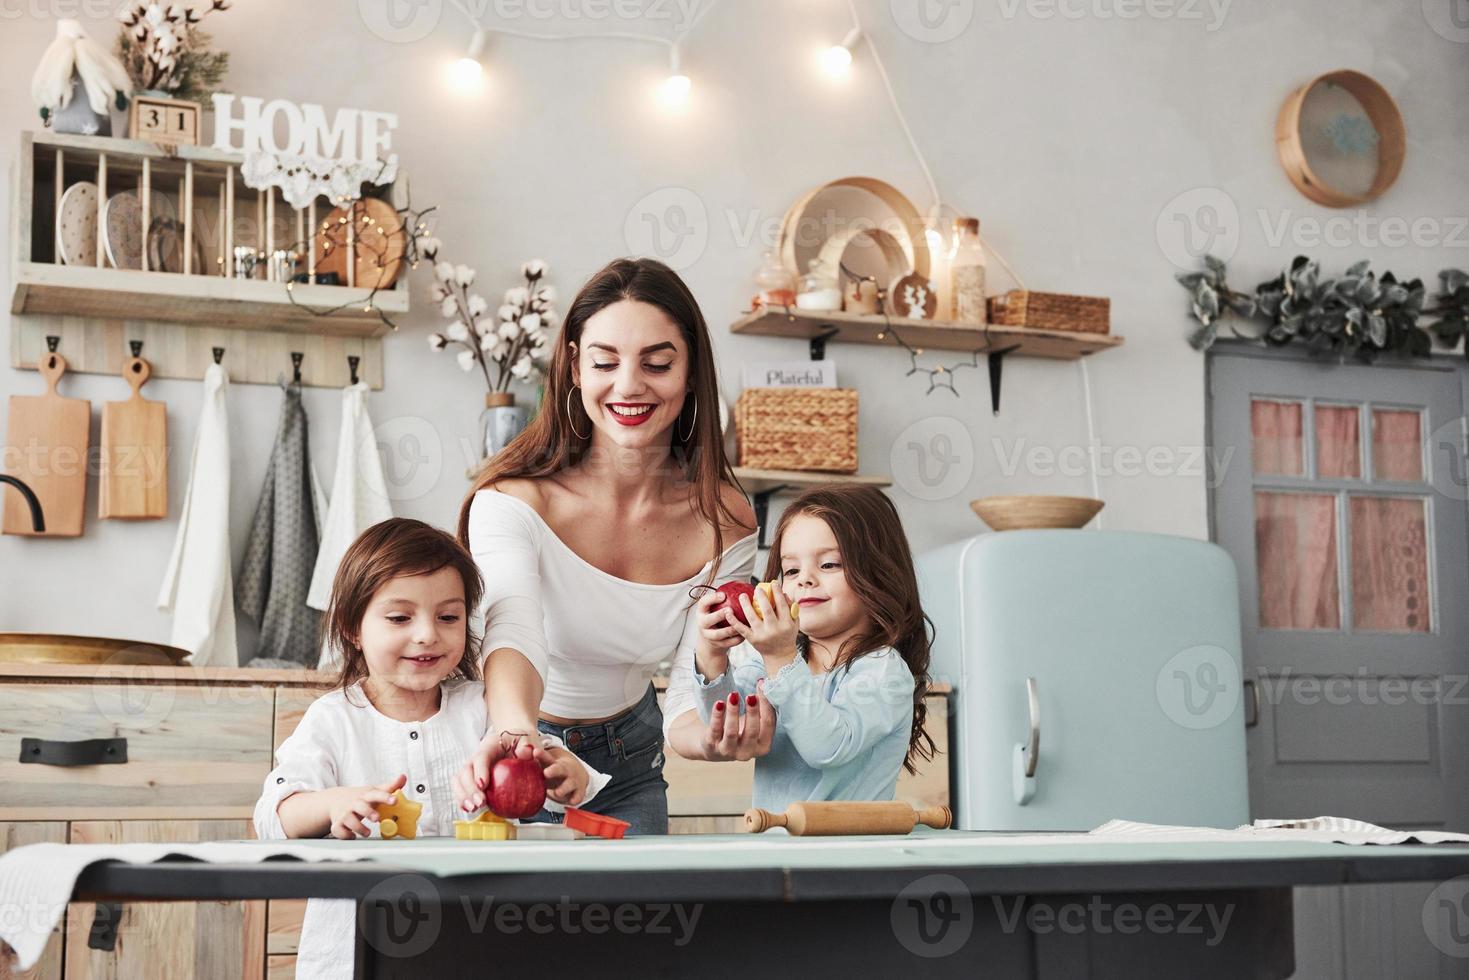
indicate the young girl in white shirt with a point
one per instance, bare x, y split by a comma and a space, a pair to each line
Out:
845, 670
405, 712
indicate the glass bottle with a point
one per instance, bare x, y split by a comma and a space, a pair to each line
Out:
774, 285
967, 272
819, 289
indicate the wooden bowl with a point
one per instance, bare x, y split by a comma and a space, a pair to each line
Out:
54, 648
1031, 511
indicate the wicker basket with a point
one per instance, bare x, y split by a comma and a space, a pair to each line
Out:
1051, 311
797, 429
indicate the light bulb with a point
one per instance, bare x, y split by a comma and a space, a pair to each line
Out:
837, 59
675, 90
467, 71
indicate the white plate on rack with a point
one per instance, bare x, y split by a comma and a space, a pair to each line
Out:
76, 225
122, 230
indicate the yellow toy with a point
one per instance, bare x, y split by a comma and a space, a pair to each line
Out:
770, 594
486, 826
399, 818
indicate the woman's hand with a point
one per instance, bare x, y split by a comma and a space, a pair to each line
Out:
772, 630
351, 807
473, 778
734, 737
566, 777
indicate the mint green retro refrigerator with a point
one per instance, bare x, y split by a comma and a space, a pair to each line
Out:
1097, 675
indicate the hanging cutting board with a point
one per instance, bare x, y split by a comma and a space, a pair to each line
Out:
134, 480
46, 446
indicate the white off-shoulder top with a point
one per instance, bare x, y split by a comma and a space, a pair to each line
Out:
596, 639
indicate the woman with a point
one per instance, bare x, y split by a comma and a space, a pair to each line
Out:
591, 528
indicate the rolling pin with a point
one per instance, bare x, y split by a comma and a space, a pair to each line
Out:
848, 817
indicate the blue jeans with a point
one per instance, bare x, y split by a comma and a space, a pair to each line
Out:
629, 748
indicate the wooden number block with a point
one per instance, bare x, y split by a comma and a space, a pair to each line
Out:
173, 121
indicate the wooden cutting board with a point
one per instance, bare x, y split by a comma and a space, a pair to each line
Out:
134, 479
46, 446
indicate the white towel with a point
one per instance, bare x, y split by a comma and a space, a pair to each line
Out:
198, 586
359, 498
36, 881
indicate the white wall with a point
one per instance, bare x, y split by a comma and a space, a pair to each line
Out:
1067, 128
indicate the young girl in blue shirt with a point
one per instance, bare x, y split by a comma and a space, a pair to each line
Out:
841, 655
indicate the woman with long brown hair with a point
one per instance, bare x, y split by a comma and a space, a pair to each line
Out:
591, 527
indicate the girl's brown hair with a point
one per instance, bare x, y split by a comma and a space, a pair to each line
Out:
879, 569
550, 443
388, 550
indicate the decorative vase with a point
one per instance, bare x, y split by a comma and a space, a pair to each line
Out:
78, 116
501, 421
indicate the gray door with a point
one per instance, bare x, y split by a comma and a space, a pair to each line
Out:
1343, 503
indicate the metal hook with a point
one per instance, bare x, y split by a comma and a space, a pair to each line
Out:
52, 343
137, 347
352, 361
218, 354
296, 358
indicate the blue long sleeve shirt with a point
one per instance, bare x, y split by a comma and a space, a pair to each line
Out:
840, 735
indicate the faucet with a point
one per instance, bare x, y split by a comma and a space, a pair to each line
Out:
38, 522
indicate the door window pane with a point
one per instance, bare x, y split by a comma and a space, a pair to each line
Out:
1295, 548
1275, 438
1397, 444
1338, 445
1389, 564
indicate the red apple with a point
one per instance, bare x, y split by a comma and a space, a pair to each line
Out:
517, 788
732, 592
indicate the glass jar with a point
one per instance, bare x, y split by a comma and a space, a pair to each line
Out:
967, 273
819, 289
774, 285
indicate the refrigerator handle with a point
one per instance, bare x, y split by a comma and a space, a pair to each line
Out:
1028, 754
1253, 718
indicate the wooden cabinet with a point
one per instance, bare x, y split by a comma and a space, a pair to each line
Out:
199, 744
166, 939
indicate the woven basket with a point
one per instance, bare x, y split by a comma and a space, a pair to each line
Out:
1051, 311
797, 429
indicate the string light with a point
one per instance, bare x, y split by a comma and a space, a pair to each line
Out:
673, 91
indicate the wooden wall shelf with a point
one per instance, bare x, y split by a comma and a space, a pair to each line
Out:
96, 308
858, 328
207, 301
762, 481
996, 342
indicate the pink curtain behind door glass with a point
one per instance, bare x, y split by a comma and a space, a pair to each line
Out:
1338, 447
1295, 551
1275, 438
1397, 445
1389, 564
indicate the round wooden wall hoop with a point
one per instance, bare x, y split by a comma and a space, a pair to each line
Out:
1385, 117
910, 223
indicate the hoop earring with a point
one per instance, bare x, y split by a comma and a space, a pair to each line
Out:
692, 422
569, 423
